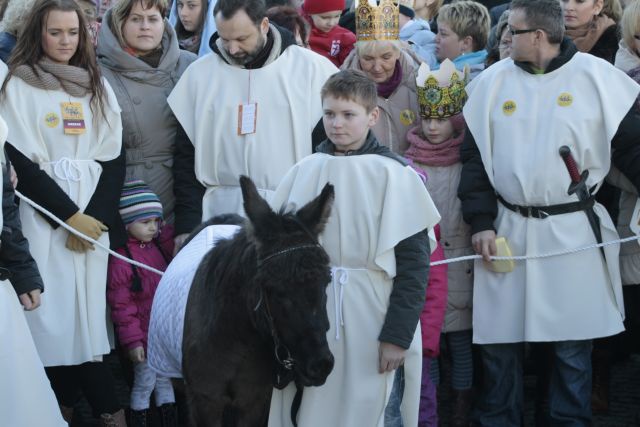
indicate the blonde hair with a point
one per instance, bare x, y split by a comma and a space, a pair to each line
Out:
372, 46
15, 16
121, 11
613, 9
467, 18
630, 24
434, 8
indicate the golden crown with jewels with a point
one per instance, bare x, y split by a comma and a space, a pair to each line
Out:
380, 22
441, 93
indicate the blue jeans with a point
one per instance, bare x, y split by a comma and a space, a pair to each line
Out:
392, 414
501, 400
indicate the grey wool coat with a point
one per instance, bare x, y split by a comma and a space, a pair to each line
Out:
149, 126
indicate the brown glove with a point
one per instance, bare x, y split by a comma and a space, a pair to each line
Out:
88, 226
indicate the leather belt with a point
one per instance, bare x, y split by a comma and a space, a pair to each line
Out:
541, 212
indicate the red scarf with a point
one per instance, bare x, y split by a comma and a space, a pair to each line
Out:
445, 154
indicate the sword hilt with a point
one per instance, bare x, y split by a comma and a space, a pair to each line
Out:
578, 180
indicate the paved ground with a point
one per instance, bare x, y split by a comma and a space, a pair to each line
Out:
624, 406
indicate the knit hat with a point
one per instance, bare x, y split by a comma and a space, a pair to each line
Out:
138, 202
314, 7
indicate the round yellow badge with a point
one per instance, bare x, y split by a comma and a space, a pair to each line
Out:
52, 120
407, 117
565, 99
508, 108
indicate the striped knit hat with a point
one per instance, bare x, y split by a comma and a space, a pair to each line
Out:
138, 202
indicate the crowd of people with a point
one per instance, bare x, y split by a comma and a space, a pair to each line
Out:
448, 130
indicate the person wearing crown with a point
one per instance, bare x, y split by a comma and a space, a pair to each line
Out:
543, 129
379, 53
434, 145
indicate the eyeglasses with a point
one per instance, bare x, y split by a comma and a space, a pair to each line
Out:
516, 32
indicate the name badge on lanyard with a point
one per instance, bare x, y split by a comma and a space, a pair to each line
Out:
72, 118
247, 118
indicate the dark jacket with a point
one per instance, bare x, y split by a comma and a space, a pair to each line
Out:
412, 265
187, 189
607, 45
479, 201
16, 263
34, 183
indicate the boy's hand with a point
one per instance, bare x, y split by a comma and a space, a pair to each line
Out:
484, 243
390, 357
136, 354
30, 300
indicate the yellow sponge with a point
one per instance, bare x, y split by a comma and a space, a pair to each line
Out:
501, 266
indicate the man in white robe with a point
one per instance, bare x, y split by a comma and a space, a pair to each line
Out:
515, 184
248, 108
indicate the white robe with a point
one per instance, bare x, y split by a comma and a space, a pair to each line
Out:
378, 203
519, 121
23, 382
205, 101
70, 327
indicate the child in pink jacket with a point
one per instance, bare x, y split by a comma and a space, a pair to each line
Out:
431, 323
130, 292
327, 37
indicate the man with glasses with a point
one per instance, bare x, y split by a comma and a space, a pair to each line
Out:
515, 184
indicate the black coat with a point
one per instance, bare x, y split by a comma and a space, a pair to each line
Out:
479, 201
16, 263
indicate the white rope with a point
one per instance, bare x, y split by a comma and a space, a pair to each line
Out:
433, 264
544, 255
79, 234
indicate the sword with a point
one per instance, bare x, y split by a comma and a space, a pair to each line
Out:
579, 187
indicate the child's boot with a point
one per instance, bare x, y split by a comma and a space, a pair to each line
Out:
113, 420
168, 415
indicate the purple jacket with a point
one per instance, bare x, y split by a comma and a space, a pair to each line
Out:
130, 311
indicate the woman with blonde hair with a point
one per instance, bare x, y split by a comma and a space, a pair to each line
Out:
65, 144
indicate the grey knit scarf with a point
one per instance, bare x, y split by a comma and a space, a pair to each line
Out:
49, 75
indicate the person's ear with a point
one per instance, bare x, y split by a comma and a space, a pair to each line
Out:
598, 6
466, 44
264, 26
374, 115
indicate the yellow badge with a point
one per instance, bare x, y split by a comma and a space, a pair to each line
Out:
508, 108
565, 99
52, 120
407, 117
72, 118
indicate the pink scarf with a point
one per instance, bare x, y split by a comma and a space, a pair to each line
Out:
422, 151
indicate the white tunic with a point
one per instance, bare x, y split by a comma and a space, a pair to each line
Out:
519, 121
164, 349
378, 203
70, 327
206, 100
23, 382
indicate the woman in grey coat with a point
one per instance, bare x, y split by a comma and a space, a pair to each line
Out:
139, 55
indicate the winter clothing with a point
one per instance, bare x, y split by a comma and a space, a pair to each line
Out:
599, 39
208, 30
436, 303
138, 203
315, 7
7, 43
149, 126
131, 311
421, 39
335, 45
456, 237
146, 382
474, 60
222, 154
398, 112
428, 415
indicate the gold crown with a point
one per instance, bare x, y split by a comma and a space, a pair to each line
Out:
377, 22
441, 93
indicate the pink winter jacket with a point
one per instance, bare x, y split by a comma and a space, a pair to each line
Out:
130, 311
435, 305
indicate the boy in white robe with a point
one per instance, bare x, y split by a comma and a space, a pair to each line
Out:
377, 240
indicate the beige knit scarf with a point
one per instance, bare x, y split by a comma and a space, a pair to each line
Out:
586, 37
49, 75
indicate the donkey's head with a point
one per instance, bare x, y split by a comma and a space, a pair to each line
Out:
293, 273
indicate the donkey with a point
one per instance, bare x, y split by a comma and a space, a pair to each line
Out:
256, 314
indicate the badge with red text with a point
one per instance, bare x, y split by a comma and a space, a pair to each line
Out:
72, 118
247, 118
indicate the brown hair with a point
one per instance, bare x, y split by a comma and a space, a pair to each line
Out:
121, 11
352, 85
289, 18
28, 50
181, 31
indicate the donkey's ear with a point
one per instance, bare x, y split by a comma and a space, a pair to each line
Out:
256, 208
315, 214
